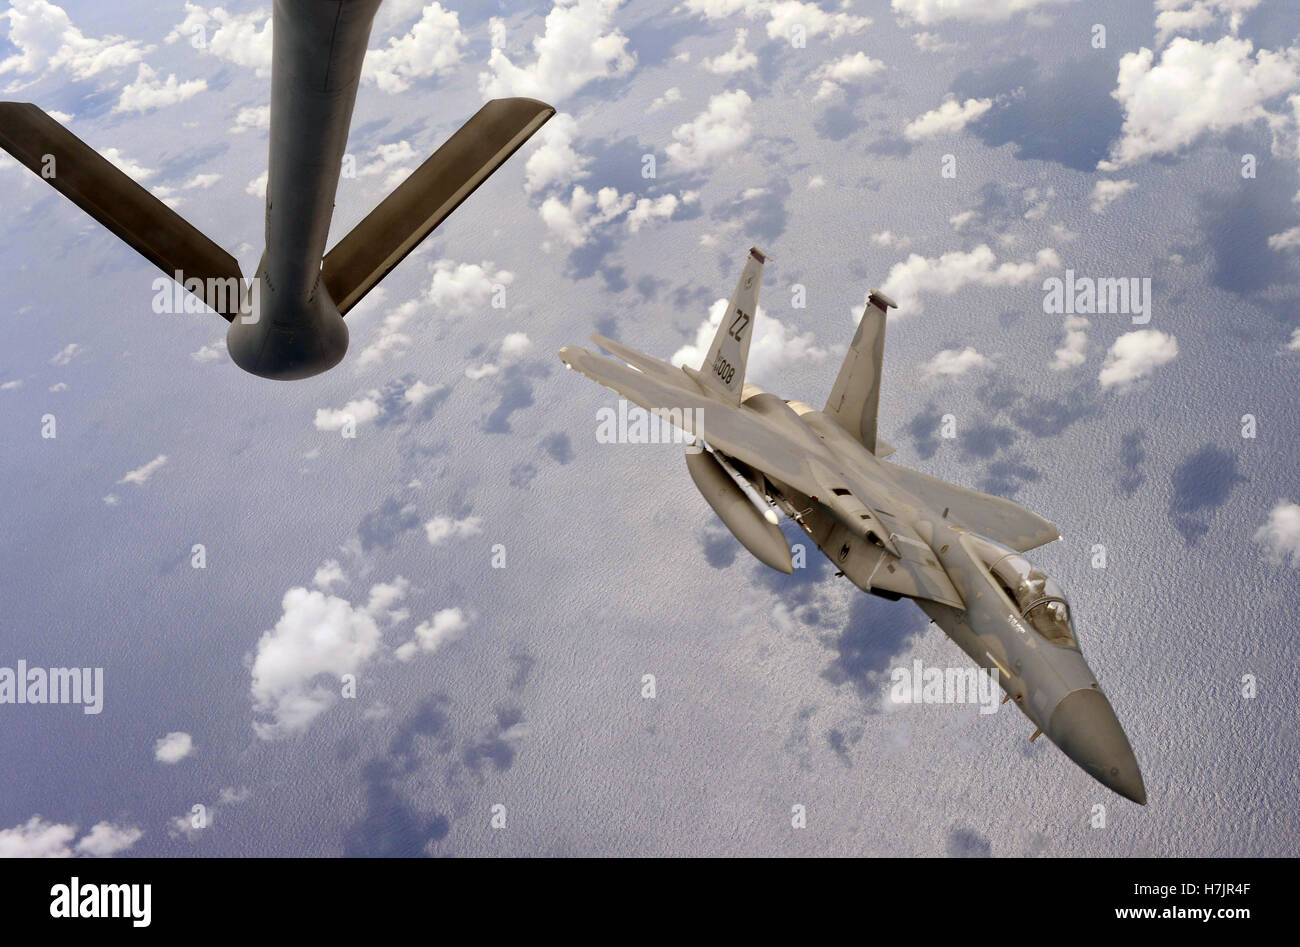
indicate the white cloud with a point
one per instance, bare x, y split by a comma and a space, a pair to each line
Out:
201, 181
512, 348
950, 117
784, 16
736, 59
12, 385
887, 238
463, 288
47, 41
173, 747
104, 840
1286, 240
577, 47
1294, 344
132, 169
319, 637
357, 411
670, 96
1196, 88
1105, 193
555, 162
1280, 536
37, 838
67, 353
394, 160
816, 182
442, 528
210, 353
431, 47
257, 116
848, 69
257, 186
574, 222
773, 347
327, 574
926, 12
648, 210
953, 363
932, 43
446, 626
959, 221
1187, 16
59, 386
1135, 355
389, 340
1074, 352
140, 476
715, 133
148, 91
952, 271
240, 38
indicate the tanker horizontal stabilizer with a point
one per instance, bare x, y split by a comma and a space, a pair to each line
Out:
424, 200
106, 193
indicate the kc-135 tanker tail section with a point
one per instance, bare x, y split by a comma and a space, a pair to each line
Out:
287, 321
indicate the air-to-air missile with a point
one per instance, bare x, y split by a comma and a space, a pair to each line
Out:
893, 532
287, 322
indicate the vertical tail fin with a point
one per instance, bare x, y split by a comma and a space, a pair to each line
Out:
723, 370
855, 397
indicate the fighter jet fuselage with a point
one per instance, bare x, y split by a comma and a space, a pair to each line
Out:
891, 531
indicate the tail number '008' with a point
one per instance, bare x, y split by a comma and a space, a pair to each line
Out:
724, 370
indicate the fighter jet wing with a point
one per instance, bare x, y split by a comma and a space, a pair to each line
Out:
729, 428
998, 518
639, 360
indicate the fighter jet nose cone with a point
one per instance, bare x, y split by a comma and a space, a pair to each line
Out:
1086, 729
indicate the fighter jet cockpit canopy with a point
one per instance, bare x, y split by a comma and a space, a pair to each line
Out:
1041, 602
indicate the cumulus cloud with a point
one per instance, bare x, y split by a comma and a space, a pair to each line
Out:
256, 116
512, 348
149, 92
1196, 88
140, 476
1074, 352
432, 47
1105, 193
848, 69
47, 40
950, 117
648, 210
953, 363
328, 573
715, 133
374, 403
736, 59
243, 39
773, 347
1135, 355
355, 412
926, 12
37, 838
395, 160
210, 353
1280, 536
462, 288
783, 16
447, 625
574, 221
440, 529
1294, 344
555, 161
257, 186
298, 664
1286, 240
1189, 16
389, 340
671, 95
578, 46
65, 355
173, 747
947, 274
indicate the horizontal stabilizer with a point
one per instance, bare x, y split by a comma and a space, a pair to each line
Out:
639, 360
425, 199
996, 518
106, 193
883, 449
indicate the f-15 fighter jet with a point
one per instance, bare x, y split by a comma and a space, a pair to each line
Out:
893, 532
292, 325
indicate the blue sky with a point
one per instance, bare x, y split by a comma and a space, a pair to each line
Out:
1164, 146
